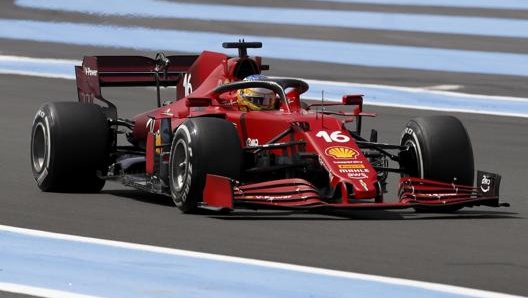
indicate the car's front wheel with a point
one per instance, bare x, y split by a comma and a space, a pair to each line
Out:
439, 149
202, 146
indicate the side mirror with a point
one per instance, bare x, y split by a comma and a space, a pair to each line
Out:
353, 99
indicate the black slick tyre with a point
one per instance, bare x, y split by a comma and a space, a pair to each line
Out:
439, 149
201, 146
69, 144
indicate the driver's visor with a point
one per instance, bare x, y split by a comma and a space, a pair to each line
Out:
259, 100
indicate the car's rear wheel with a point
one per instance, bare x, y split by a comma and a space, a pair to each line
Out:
439, 149
202, 146
69, 144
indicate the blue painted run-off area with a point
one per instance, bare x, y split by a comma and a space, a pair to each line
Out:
373, 55
112, 270
492, 4
333, 91
423, 99
484, 26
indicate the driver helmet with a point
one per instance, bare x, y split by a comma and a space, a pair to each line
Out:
256, 99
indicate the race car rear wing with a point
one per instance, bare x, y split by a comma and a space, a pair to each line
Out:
113, 71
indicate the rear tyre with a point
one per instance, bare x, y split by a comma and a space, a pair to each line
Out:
202, 146
439, 149
69, 144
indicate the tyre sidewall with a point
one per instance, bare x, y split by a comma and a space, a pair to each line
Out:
44, 174
184, 196
443, 149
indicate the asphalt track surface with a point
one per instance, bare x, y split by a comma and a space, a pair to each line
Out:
481, 248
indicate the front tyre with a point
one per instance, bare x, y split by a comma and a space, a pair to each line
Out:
439, 149
202, 146
69, 144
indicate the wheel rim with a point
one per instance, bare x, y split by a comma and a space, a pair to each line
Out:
39, 147
180, 165
417, 156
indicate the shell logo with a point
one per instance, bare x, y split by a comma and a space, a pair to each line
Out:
341, 152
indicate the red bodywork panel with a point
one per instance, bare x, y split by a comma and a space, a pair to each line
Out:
352, 180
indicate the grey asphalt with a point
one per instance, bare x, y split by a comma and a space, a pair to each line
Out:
482, 248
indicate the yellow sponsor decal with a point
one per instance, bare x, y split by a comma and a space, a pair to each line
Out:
341, 152
351, 166
365, 186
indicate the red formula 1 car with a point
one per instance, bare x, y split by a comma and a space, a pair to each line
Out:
229, 142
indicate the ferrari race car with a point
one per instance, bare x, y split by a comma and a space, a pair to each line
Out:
207, 148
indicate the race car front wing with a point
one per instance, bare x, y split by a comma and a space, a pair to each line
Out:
222, 193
